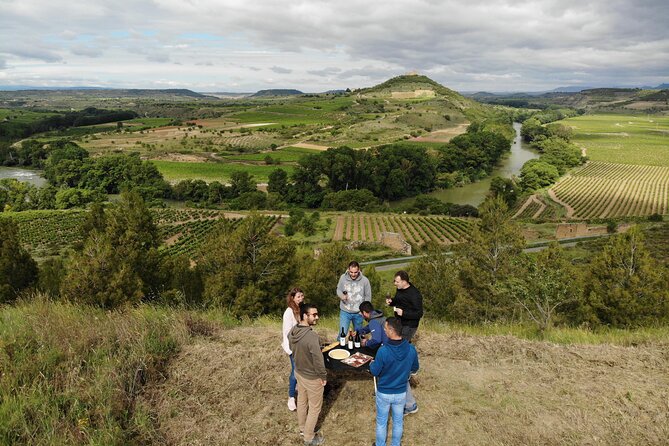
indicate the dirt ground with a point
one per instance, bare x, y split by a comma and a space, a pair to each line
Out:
231, 389
444, 135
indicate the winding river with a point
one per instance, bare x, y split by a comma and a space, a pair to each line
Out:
28, 175
474, 193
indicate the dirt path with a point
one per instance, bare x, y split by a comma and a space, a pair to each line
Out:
339, 229
231, 389
570, 210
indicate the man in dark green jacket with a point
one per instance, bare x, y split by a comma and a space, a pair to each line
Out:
310, 373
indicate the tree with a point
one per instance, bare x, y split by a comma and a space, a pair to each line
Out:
625, 286
486, 261
506, 188
536, 174
18, 270
240, 182
436, 276
319, 277
278, 182
246, 268
547, 285
119, 261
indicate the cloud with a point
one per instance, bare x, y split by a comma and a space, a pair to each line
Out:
86, 51
329, 71
281, 70
478, 44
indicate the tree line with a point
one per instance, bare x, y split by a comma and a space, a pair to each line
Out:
247, 269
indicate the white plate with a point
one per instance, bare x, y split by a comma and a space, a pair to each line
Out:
339, 353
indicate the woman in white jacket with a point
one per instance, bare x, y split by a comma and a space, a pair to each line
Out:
290, 318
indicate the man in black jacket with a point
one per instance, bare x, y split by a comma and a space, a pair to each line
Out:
408, 303
408, 306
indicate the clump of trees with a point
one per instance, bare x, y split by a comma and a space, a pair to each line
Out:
489, 278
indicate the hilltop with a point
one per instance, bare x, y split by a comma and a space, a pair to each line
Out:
275, 92
230, 389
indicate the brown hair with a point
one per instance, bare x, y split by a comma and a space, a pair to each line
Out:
291, 301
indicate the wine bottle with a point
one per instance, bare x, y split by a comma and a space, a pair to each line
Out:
342, 337
350, 340
356, 341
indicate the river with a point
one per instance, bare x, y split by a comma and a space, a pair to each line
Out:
474, 193
31, 176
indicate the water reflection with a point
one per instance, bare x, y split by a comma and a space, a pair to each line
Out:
475, 193
28, 175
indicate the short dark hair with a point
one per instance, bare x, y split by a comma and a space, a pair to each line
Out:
354, 264
403, 275
304, 309
395, 325
367, 307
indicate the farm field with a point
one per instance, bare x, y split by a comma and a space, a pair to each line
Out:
286, 154
174, 171
47, 233
624, 139
602, 190
417, 230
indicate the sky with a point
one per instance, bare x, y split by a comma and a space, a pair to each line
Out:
320, 45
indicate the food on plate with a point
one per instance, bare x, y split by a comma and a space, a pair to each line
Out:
357, 359
339, 353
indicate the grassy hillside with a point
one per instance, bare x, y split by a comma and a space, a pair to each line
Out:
77, 375
231, 390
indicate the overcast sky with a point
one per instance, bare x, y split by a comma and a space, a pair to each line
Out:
247, 45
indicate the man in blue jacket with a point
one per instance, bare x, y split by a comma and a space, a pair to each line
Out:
393, 364
375, 322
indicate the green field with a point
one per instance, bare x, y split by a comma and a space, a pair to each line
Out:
624, 139
287, 154
176, 171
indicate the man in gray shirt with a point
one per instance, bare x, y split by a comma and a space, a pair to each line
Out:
353, 289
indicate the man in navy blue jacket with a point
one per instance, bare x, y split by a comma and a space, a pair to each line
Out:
375, 322
393, 364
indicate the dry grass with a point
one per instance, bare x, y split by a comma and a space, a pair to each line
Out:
231, 390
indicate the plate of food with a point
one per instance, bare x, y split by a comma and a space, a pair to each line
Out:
357, 359
339, 353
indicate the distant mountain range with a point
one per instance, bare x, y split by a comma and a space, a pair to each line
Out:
275, 92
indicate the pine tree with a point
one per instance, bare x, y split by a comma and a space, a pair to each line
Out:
18, 270
626, 287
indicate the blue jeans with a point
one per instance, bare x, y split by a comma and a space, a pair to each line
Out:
345, 319
389, 402
292, 382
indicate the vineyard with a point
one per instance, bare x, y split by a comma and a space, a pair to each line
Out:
183, 231
601, 190
47, 233
415, 229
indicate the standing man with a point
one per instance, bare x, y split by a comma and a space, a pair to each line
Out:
394, 363
408, 303
310, 373
353, 289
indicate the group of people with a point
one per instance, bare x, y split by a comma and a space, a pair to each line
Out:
395, 361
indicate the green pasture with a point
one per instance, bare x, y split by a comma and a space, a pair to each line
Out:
625, 139
287, 154
176, 171
22, 116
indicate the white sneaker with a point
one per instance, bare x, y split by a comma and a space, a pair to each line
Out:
292, 406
